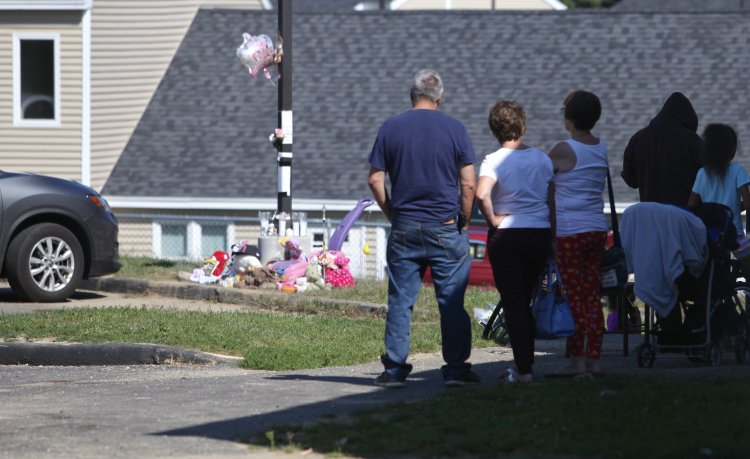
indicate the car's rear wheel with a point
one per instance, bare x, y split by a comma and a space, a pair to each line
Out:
44, 263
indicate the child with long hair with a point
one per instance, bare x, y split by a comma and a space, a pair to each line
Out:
723, 181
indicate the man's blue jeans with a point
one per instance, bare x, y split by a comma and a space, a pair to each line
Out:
412, 247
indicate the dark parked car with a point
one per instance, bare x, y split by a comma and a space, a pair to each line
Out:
53, 233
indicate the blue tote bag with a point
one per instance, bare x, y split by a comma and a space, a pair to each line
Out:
550, 306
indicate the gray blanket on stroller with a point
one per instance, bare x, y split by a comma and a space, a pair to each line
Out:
660, 241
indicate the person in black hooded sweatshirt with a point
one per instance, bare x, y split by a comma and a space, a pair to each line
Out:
662, 159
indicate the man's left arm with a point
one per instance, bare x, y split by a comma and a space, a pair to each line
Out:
468, 188
376, 181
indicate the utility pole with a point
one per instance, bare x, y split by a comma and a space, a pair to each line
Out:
284, 155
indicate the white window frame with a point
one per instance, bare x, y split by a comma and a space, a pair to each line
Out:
193, 236
18, 119
228, 234
156, 239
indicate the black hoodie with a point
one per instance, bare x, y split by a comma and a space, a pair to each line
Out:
662, 159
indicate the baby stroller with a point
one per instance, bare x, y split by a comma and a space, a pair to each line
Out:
683, 270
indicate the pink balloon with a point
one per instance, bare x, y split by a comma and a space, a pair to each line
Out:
256, 53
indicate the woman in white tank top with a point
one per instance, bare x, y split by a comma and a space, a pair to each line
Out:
580, 166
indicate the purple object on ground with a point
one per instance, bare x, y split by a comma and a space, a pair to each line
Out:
339, 236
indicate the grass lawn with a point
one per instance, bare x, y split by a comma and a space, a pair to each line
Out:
613, 417
266, 340
151, 268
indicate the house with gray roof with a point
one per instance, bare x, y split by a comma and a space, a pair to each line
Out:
201, 147
331, 6
680, 5
76, 76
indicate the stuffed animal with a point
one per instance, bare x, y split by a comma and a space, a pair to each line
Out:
301, 284
244, 263
199, 275
292, 250
313, 275
337, 273
263, 278
219, 259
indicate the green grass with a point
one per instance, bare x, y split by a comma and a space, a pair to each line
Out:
269, 341
613, 417
150, 268
318, 334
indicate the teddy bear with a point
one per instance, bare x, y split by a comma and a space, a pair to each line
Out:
314, 279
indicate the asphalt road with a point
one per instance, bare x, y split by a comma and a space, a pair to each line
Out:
163, 411
186, 411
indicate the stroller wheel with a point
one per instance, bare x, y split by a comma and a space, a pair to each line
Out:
502, 337
713, 354
740, 343
739, 349
644, 355
499, 331
695, 355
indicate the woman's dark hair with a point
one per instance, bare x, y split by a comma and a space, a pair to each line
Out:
507, 120
583, 109
719, 148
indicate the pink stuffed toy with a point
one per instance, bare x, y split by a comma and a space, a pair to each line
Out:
337, 273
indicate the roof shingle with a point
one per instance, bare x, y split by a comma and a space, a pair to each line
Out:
205, 131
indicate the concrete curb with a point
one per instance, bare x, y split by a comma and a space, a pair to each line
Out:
262, 299
38, 354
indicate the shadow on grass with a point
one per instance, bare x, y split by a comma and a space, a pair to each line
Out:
420, 385
563, 413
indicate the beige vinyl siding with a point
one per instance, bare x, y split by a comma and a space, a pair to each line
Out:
135, 236
247, 231
132, 44
56, 150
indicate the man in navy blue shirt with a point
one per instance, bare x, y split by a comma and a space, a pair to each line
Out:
429, 159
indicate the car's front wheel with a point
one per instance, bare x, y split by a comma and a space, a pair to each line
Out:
44, 263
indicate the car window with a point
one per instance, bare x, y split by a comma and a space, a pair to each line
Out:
477, 250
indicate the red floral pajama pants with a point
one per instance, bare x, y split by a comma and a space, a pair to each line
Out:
579, 259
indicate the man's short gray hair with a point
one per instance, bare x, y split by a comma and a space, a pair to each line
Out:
427, 84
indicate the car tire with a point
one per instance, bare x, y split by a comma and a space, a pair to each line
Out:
44, 263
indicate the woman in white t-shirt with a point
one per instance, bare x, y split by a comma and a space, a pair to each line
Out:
581, 228
513, 195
